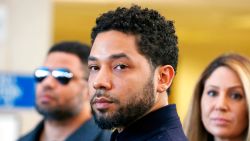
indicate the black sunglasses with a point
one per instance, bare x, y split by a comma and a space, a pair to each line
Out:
62, 75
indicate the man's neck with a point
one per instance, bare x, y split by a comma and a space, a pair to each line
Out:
60, 130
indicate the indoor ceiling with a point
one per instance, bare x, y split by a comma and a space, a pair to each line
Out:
198, 23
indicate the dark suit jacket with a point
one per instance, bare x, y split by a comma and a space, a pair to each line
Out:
89, 131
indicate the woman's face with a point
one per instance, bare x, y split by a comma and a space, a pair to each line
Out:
223, 105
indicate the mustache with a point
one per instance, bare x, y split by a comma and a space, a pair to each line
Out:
103, 93
47, 92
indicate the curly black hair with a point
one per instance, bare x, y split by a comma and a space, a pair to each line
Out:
156, 35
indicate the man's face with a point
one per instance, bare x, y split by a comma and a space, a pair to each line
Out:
121, 81
58, 101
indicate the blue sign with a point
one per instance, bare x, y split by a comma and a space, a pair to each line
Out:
17, 90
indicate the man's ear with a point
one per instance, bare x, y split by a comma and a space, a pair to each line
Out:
165, 77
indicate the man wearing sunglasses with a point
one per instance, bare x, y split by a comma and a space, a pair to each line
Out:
132, 63
62, 97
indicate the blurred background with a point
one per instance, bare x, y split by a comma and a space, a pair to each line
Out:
205, 28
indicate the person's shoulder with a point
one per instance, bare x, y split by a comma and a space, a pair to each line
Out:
27, 137
33, 134
104, 135
91, 132
101, 134
175, 134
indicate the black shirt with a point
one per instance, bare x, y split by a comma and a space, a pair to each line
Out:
160, 125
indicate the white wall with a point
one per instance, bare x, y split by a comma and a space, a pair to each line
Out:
26, 40
28, 34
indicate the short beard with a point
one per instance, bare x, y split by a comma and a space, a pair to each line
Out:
135, 108
56, 114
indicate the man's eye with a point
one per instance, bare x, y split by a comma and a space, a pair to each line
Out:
212, 93
93, 68
121, 66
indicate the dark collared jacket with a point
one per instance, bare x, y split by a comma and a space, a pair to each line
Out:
160, 125
89, 131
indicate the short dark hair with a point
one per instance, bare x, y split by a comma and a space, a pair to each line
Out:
73, 47
156, 37
76, 48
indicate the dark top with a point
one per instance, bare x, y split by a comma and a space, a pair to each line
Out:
160, 125
89, 131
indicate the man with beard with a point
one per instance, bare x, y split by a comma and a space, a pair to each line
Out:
132, 63
62, 97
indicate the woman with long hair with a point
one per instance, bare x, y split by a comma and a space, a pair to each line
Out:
219, 110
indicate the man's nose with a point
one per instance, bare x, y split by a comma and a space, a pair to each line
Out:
103, 79
49, 81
